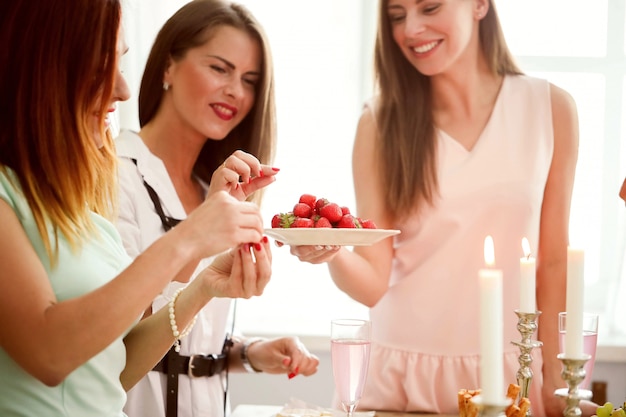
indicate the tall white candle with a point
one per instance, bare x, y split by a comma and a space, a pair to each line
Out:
574, 303
491, 328
527, 267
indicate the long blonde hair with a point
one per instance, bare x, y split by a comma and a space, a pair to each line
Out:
60, 62
405, 127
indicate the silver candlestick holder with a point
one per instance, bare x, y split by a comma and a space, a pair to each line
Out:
491, 409
573, 374
527, 326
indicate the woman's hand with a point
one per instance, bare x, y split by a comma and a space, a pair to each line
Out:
221, 222
240, 175
285, 355
314, 254
238, 273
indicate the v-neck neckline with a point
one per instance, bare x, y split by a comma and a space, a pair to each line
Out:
494, 109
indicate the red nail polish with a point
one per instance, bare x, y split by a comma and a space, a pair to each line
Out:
261, 174
291, 375
275, 169
265, 239
257, 246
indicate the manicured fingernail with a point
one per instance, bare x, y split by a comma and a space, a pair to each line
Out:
246, 247
265, 239
291, 375
261, 174
257, 246
275, 169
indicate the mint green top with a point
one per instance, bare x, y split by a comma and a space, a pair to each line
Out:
93, 389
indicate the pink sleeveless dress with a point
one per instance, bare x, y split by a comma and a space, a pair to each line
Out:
426, 327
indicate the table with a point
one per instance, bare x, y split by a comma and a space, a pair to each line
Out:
246, 410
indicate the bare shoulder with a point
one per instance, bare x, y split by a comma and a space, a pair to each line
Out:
564, 118
563, 104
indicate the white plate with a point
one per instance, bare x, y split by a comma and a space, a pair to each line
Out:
329, 236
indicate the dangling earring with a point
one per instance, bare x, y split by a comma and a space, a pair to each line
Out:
166, 85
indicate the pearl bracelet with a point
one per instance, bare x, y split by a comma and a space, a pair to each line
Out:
178, 335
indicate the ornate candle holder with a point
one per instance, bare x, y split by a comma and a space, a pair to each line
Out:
489, 409
573, 374
527, 326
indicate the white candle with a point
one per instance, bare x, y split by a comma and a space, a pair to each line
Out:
491, 329
574, 303
527, 267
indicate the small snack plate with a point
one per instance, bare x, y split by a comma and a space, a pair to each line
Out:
329, 236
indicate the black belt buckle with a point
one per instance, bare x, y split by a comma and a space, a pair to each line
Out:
210, 358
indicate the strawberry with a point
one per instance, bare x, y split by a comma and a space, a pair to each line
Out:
302, 222
302, 210
308, 199
321, 202
348, 221
368, 224
322, 222
332, 212
345, 210
282, 220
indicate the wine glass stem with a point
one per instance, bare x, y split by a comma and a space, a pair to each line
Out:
350, 410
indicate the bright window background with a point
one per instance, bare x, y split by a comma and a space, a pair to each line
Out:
323, 54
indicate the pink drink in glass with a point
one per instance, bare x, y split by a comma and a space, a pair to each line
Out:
350, 359
590, 342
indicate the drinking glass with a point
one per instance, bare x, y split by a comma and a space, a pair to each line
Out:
590, 341
350, 353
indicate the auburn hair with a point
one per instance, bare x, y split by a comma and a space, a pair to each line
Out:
58, 75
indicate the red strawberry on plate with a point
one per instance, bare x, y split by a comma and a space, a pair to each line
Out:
302, 222
322, 222
368, 224
332, 212
282, 220
348, 221
302, 210
308, 199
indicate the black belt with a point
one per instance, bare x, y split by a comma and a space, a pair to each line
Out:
174, 364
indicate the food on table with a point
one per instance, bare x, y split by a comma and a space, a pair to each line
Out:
314, 212
607, 410
467, 408
521, 408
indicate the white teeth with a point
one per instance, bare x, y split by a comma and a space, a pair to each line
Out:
426, 47
223, 109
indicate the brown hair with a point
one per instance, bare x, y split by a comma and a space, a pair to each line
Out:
59, 62
190, 27
405, 126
